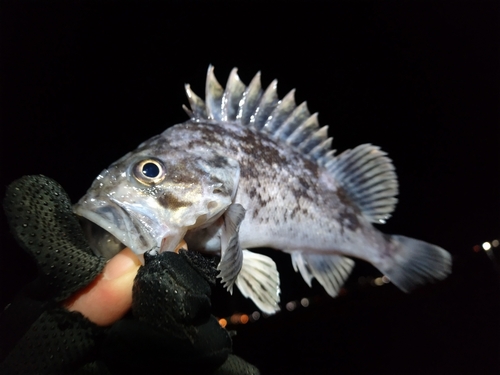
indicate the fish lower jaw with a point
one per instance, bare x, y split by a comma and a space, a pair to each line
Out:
182, 245
103, 243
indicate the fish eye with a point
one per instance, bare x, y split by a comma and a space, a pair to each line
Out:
149, 171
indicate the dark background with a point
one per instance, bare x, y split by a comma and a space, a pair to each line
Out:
82, 83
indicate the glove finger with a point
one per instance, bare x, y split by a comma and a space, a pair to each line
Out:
171, 293
58, 342
235, 365
168, 291
41, 219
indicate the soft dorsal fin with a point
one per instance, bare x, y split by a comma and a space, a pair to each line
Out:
367, 176
365, 173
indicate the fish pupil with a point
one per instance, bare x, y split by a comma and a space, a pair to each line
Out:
150, 170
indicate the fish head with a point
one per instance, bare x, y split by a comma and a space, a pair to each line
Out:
150, 198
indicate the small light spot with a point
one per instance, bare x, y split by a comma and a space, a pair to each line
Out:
244, 319
476, 248
256, 315
378, 281
304, 302
290, 306
385, 279
223, 322
486, 246
495, 243
235, 318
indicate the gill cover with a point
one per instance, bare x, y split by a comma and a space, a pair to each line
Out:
188, 193
201, 189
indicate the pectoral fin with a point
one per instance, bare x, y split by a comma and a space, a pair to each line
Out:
331, 271
259, 280
231, 253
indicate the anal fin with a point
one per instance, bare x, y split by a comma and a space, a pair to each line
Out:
331, 271
259, 280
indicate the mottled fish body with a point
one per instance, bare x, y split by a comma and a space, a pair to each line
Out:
249, 170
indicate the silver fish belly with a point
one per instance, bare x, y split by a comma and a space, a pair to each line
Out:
249, 170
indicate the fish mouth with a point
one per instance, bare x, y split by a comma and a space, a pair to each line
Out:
109, 228
102, 242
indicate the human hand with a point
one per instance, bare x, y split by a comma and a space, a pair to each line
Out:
46, 319
109, 296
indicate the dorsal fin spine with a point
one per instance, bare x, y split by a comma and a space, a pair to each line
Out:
250, 100
314, 139
296, 118
280, 113
320, 150
213, 95
302, 132
198, 108
267, 103
232, 96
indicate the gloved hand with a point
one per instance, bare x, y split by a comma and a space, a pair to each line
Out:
170, 329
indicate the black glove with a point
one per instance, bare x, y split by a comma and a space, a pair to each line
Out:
170, 329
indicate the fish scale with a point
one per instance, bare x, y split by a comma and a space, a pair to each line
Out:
250, 170
288, 196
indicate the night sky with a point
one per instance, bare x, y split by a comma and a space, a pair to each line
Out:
83, 83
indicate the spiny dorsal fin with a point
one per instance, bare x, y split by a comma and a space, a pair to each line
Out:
365, 173
262, 110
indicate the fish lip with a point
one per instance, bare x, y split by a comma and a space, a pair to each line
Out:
116, 225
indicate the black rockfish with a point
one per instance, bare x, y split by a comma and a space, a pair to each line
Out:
250, 170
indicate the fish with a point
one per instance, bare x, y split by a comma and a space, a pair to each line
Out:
251, 170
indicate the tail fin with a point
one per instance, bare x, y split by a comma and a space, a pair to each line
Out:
417, 262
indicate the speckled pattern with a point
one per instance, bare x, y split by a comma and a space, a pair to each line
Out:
244, 146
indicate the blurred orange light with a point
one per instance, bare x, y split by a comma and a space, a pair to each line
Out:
477, 248
244, 319
223, 322
235, 318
